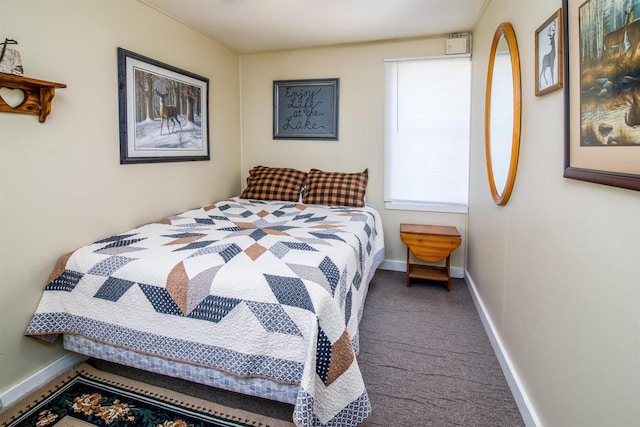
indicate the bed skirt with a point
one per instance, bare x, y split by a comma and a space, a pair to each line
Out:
260, 387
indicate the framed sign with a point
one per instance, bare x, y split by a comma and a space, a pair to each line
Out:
164, 111
305, 109
602, 92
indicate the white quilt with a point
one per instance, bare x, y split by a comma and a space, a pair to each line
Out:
252, 288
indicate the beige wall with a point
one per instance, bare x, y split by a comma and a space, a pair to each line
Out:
61, 184
360, 69
557, 268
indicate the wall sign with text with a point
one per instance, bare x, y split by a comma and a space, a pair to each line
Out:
305, 109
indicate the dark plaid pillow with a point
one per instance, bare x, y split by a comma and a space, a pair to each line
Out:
265, 183
335, 188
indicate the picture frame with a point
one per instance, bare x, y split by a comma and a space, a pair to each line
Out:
549, 48
164, 111
600, 142
306, 109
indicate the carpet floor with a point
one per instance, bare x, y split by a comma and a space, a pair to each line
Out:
424, 355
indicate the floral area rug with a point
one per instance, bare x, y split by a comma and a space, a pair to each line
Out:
85, 396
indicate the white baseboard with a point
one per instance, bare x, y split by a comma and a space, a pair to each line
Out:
392, 265
527, 410
40, 378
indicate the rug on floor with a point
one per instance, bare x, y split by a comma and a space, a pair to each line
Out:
86, 396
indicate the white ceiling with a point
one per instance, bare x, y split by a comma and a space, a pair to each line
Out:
250, 26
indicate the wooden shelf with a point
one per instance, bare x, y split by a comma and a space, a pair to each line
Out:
428, 272
37, 95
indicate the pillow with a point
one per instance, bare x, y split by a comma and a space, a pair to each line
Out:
265, 183
335, 188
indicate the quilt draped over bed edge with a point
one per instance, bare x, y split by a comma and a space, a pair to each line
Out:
253, 288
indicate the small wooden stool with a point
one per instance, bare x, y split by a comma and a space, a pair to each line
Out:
430, 243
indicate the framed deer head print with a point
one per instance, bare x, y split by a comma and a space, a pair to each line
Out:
549, 73
164, 111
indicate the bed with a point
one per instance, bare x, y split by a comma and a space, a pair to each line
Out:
260, 295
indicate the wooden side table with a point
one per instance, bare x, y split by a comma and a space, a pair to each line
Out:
430, 243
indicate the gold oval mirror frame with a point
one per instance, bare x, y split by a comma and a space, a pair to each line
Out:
502, 113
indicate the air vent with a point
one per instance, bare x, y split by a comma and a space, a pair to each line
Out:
457, 45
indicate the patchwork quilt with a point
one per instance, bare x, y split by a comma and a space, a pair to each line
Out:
253, 288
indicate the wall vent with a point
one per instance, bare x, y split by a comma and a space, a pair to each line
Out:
457, 44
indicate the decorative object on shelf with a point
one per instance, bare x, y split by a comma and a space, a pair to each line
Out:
305, 109
10, 61
164, 111
36, 95
549, 75
602, 93
503, 106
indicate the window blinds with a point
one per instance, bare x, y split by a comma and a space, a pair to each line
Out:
427, 121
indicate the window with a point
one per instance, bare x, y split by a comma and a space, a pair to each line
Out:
427, 121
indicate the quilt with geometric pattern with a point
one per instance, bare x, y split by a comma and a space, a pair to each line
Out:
252, 288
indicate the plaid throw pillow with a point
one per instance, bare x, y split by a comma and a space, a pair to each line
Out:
265, 183
336, 188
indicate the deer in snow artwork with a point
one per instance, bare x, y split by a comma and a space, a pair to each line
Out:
167, 113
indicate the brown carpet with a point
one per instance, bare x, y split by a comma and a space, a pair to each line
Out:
424, 355
427, 360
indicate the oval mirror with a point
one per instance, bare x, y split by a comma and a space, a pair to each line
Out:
502, 113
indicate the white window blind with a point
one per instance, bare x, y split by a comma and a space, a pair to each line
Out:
427, 121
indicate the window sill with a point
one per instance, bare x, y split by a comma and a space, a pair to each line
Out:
427, 207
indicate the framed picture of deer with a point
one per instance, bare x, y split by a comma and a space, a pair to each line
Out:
602, 91
164, 111
549, 55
